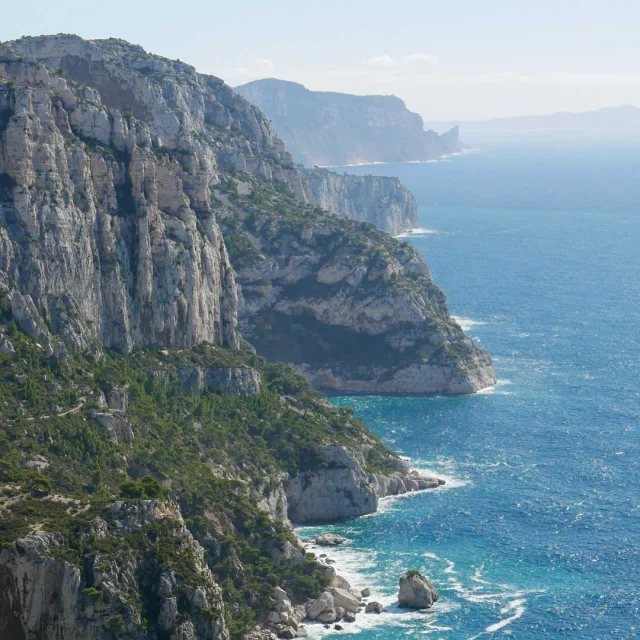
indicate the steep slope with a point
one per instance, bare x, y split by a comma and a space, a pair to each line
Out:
111, 163
323, 128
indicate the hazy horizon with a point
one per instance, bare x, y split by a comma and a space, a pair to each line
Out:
461, 61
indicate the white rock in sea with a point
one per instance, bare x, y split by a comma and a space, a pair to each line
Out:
345, 599
416, 591
330, 540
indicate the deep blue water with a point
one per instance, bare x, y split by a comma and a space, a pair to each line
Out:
537, 534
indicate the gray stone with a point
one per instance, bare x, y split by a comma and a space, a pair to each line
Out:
117, 424
168, 614
374, 607
345, 599
324, 604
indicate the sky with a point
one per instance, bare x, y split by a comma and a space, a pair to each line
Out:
448, 60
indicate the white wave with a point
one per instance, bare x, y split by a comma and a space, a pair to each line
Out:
358, 567
495, 389
416, 233
443, 468
477, 576
466, 324
431, 555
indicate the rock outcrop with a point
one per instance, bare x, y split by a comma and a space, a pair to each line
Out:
374, 607
324, 128
381, 200
237, 381
342, 489
45, 596
416, 591
352, 308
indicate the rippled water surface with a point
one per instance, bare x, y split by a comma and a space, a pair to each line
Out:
537, 532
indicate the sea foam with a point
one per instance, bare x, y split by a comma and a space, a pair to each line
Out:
416, 233
467, 324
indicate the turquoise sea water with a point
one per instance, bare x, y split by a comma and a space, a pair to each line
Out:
537, 533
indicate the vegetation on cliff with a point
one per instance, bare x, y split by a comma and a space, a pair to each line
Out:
213, 455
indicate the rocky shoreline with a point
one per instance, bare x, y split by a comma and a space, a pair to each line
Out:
343, 601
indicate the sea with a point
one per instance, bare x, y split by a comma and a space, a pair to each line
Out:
537, 532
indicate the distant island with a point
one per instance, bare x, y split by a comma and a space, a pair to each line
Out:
609, 119
327, 129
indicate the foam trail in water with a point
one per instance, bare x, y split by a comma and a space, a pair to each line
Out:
517, 606
443, 468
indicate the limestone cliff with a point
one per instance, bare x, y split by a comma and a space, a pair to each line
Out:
147, 453
324, 128
105, 203
343, 488
381, 200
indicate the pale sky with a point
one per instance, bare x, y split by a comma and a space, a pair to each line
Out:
448, 60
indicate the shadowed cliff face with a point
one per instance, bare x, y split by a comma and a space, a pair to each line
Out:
325, 129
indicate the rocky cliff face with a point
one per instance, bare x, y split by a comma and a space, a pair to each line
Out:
380, 200
322, 128
105, 202
344, 489
133, 480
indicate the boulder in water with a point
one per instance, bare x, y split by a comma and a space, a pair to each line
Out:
329, 540
416, 591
